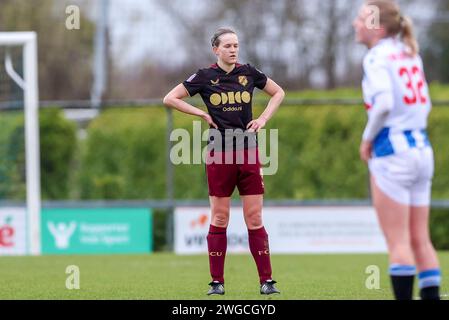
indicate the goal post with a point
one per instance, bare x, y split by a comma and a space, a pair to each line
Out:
29, 84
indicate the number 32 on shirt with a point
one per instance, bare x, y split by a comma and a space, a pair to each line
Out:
414, 81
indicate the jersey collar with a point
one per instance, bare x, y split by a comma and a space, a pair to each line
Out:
217, 67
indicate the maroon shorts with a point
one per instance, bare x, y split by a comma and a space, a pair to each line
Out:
226, 170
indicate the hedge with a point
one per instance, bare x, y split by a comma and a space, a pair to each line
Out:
125, 155
57, 149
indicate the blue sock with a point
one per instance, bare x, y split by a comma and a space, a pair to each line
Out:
402, 278
429, 284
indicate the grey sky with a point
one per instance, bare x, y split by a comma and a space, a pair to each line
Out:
140, 29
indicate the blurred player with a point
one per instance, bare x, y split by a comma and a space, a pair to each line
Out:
226, 88
396, 146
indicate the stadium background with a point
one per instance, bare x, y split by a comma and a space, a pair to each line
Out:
113, 153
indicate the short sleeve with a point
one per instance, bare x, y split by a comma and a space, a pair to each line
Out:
260, 79
377, 75
194, 84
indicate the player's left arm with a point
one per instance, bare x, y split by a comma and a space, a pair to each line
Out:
277, 95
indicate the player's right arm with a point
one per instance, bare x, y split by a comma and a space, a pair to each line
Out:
174, 99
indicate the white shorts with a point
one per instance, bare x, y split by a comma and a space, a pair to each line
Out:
405, 177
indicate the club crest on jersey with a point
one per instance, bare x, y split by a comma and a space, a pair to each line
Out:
215, 83
243, 80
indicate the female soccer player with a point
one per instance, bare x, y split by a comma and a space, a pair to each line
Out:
226, 88
396, 146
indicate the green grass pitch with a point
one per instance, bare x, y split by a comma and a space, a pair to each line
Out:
167, 276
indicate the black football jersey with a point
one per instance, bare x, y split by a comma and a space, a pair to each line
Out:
228, 96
